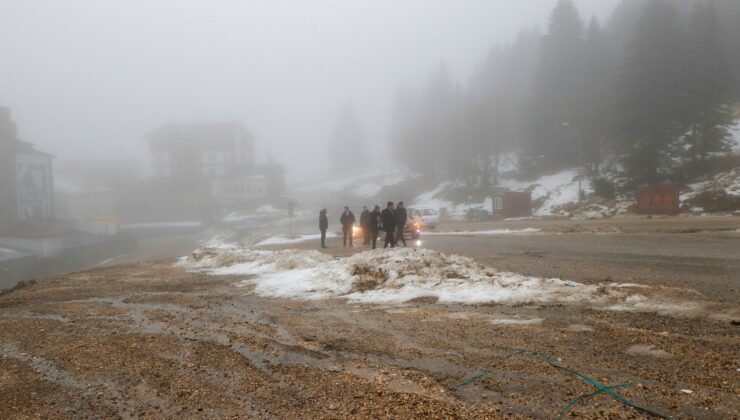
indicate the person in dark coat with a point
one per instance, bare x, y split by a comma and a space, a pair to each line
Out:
365, 225
401, 219
388, 219
374, 225
323, 226
348, 222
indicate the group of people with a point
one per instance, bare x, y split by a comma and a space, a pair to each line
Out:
392, 220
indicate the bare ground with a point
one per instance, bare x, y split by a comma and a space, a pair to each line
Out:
150, 340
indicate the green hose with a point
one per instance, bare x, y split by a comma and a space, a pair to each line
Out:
603, 388
471, 379
599, 386
590, 394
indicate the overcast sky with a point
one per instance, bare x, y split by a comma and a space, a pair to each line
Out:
88, 78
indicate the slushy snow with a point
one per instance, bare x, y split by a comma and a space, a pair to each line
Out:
402, 275
293, 239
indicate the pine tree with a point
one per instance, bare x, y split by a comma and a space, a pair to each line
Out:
728, 12
710, 83
653, 99
597, 90
427, 126
556, 99
496, 105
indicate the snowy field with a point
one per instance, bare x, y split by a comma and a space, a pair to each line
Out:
365, 184
551, 192
555, 191
402, 275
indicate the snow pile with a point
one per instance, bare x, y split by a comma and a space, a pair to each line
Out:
402, 275
232, 259
287, 239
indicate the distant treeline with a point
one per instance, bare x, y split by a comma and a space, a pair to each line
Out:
648, 95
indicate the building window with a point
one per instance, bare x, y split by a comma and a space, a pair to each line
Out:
498, 203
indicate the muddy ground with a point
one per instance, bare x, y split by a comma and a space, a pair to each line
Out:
150, 340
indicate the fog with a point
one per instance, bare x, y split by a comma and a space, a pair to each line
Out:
124, 123
88, 79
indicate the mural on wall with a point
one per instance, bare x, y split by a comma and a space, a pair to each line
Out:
34, 194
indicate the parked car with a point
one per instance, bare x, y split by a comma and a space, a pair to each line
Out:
477, 215
426, 218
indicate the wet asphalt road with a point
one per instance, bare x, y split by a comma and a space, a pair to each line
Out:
709, 263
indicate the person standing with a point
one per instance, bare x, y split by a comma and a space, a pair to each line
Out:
365, 225
388, 219
401, 219
348, 222
375, 225
323, 226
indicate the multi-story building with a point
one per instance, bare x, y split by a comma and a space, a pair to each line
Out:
26, 178
207, 169
192, 151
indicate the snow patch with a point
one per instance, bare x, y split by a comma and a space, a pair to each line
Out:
293, 239
553, 191
649, 351
509, 321
735, 135
431, 201
363, 184
163, 225
8, 251
728, 181
402, 275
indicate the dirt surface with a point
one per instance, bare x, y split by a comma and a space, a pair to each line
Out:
150, 340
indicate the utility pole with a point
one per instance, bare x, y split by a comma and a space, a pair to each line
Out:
577, 133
